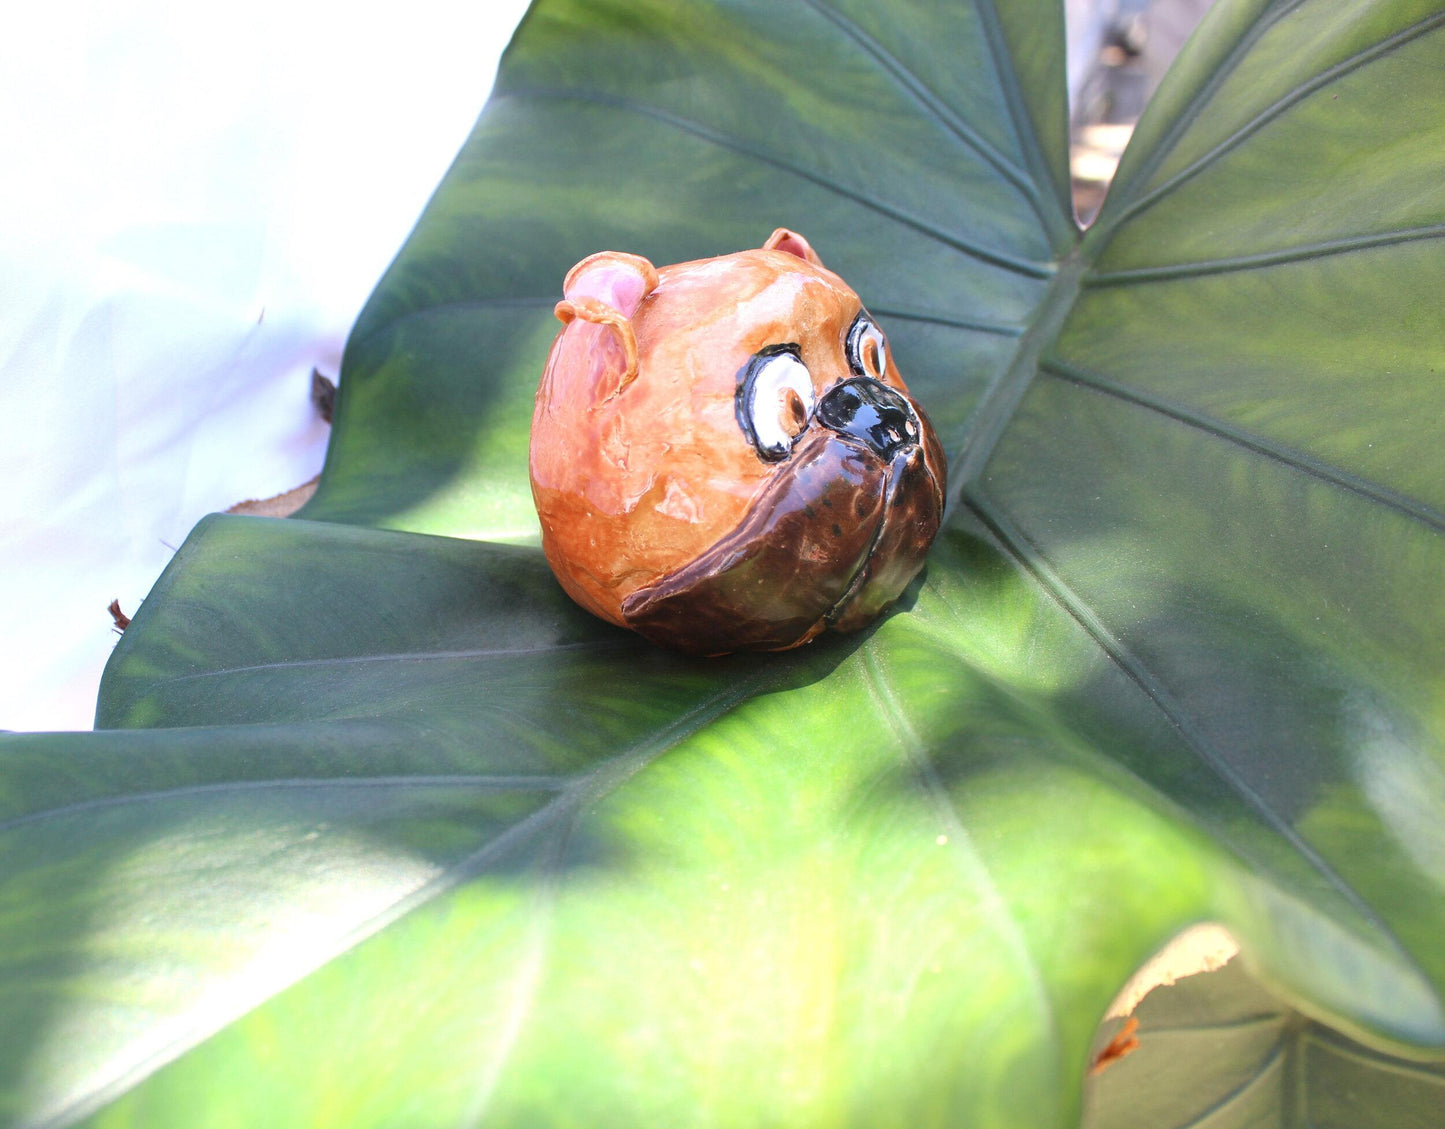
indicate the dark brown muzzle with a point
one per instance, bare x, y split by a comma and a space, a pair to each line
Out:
833, 540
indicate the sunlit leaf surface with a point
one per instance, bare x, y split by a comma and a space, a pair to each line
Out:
378, 829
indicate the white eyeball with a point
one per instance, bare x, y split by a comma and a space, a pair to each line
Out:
867, 348
775, 400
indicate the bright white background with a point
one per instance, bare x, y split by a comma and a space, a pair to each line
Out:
169, 171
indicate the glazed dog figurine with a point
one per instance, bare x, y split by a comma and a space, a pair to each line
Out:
724, 456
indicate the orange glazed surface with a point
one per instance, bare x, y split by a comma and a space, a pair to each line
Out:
631, 485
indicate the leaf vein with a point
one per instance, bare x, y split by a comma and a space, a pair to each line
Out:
1022, 121
1278, 109
935, 107
1273, 1061
998, 328
1288, 456
918, 757
587, 788
1335, 1044
397, 657
1190, 114
1244, 1023
227, 787
990, 255
1288, 255
524, 985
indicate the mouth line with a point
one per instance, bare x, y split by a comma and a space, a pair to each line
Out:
856, 582
894, 483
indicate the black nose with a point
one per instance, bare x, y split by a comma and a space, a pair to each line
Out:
870, 411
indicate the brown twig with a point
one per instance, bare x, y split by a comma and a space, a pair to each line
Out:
122, 621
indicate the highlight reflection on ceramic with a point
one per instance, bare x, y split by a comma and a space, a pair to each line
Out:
724, 456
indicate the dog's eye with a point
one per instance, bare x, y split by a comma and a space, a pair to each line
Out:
774, 400
867, 349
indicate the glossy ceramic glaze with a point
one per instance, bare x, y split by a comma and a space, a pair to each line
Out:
723, 454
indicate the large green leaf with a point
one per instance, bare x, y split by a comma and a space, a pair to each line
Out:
378, 829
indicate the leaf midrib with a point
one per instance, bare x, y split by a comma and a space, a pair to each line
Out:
1002, 399
1030, 559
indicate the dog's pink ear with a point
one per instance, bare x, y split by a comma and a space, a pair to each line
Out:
606, 289
614, 279
794, 244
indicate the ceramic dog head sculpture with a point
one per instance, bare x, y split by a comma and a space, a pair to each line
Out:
723, 454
